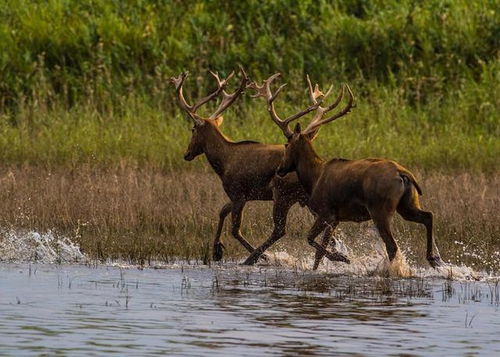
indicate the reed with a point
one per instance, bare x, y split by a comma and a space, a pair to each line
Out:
143, 214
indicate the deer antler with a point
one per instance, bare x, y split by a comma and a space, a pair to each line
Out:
227, 99
264, 90
317, 120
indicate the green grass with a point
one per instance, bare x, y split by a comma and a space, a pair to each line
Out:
85, 82
459, 132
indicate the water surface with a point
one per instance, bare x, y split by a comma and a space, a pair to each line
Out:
81, 310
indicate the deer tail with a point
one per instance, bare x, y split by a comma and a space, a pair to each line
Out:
408, 176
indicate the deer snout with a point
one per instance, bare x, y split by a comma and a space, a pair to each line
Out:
188, 156
281, 172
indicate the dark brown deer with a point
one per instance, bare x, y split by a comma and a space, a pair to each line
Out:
264, 90
354, 190
247, 169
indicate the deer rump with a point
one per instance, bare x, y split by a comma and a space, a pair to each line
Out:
355, 186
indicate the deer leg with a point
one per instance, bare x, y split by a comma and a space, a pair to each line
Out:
325, 239
414, 214
384, 229
319, 225
218, 245
280, 212
236, 215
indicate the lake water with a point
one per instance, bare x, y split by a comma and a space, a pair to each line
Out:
50, 309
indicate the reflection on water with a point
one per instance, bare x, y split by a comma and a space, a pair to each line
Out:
49, 309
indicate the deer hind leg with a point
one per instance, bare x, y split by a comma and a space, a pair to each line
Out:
382, 222
236, 215
280, 212
321, 225
218, 251
413, 213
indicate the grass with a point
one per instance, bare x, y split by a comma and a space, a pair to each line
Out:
86, 81
144, 215
458, 132
91, 138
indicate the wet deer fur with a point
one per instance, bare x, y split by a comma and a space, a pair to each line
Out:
247, 169
354, 190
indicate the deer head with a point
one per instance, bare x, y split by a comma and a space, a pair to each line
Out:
214, 120
299, 142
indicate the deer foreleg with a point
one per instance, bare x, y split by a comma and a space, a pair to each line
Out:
280, 212
236, 215
218, 251
319, 225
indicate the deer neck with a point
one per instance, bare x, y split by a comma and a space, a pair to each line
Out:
309, 166
217, 150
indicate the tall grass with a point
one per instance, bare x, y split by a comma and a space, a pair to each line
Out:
86, 81
459, 132
142, 215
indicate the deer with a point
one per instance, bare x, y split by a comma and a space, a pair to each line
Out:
247, 169
353, 190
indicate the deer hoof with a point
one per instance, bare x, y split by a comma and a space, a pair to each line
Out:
338, 257
266, 258
218, 251
435, 261
253, 258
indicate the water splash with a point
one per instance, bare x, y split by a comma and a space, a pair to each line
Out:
371, 260
375, 264
30, 246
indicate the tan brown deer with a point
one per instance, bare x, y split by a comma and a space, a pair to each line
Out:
354, 190
247, 169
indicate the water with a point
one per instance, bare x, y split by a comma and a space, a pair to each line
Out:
231, 310
54, 301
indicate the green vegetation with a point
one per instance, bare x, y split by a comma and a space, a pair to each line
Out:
85, 82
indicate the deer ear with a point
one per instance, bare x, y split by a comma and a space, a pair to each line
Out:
297, 129
218, 121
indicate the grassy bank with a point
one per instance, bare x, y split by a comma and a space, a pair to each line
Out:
91, 138
139, 215
85, 82
458, 132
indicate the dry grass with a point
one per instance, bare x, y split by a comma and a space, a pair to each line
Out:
139, 214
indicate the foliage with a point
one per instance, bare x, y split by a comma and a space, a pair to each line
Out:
86, 81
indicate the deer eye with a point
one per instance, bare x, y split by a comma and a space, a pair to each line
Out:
192, 129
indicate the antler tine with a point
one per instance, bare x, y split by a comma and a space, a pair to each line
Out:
316, 93
317, 121
337, 101
178, 83
264, 90
228, 99
221, 84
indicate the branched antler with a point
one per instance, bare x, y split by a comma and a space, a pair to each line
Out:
264, 90
227, 99
318, 120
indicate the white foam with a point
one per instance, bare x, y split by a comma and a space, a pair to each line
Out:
30, 246
372, 260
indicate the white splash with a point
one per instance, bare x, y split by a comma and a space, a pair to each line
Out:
30, 246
